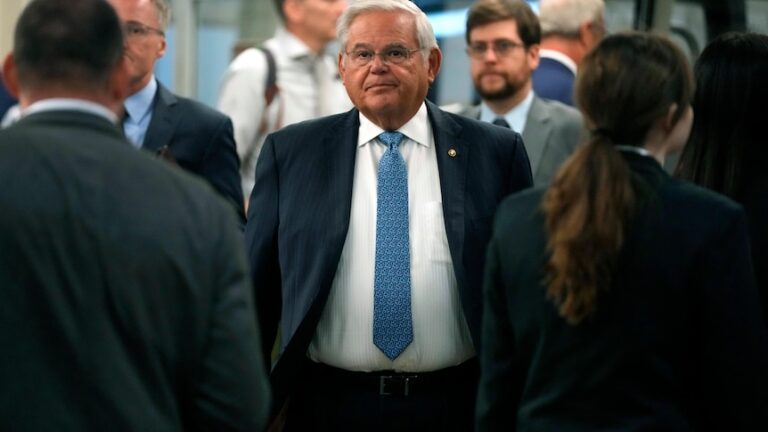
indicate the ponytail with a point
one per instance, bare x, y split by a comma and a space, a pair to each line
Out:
586, 210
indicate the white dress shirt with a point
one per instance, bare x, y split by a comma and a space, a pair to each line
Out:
69, 104
344, 336
306, 91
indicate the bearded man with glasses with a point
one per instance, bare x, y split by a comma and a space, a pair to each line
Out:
503, 46
197, 138
366, 237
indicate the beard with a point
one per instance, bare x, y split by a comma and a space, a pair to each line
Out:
509, 89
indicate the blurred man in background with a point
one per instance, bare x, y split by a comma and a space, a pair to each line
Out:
570, 29
197, 138
503, 45
305, 77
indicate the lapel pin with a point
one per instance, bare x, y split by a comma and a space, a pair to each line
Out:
452, 152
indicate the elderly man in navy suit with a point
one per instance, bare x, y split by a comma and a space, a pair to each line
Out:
366, 236
197, 138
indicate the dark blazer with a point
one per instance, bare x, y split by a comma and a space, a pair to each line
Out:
755, 202
126, 303
200, 140
676, 343
299, 216
552, 132
553, 80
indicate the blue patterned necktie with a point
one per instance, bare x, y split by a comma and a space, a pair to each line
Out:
392, 325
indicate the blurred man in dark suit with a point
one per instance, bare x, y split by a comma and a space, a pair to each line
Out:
569, 30
194, 136
125, 301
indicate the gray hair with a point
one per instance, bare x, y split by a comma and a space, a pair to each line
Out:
424, 33
163, 10
563, 17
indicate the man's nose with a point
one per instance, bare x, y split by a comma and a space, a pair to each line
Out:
378, 65
490, 55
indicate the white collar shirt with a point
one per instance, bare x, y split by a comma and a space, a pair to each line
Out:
69, 104
344, 336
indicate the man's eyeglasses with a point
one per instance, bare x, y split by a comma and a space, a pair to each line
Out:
501, 48
133, 29
392, 55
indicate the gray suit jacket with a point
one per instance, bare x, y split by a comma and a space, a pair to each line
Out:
552, 132
125, 295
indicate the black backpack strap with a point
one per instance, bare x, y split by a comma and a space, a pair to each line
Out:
271, 67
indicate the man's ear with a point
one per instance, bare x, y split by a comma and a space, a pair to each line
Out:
11, 76
433, 64
342, 69
669, 120
585, 34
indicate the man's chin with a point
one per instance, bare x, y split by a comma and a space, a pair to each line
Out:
495, 95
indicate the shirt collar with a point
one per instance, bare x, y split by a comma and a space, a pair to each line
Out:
139, 103
516, 117
560, 57
416, 129
68, 104
292, 46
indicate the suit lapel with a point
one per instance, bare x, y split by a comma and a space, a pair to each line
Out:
341, 136
538, 127
165, 118
453, 174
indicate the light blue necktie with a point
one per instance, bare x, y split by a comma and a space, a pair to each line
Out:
392, 325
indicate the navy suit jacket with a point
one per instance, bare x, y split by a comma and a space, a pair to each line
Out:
200, 140
676, 342
299, 216
553, 80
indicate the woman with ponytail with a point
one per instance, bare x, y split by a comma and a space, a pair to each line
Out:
619, 298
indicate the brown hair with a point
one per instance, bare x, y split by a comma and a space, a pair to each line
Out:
624, 86
490, 11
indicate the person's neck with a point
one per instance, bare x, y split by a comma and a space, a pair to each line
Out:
317, 46
30, 96
656, 146
137, 86
389, 122
567, 46
503, 106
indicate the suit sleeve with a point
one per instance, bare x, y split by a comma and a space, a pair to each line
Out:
232, 387
221, 167
733, 359
496, 404
261, 244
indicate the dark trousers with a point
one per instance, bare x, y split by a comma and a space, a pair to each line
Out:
331, 399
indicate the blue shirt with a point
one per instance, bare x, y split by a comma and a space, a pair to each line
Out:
516, 117
139, 109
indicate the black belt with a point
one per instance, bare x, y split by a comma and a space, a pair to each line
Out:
391, 383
